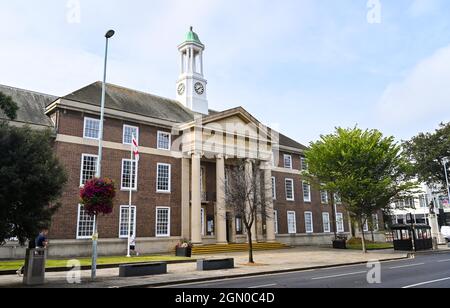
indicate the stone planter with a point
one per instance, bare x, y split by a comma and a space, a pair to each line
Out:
184, 252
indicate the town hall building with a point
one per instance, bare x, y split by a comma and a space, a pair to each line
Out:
185, 151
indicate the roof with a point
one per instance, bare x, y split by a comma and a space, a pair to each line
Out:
192, 37
288, 142
31, 106
124, 99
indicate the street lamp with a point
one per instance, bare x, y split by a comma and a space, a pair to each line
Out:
108, 35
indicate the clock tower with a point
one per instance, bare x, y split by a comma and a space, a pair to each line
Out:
191, 85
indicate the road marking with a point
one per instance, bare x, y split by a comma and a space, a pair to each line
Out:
442, 261
340, 275
264, 286
425, 283
409, 265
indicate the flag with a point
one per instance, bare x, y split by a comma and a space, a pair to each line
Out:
135, 146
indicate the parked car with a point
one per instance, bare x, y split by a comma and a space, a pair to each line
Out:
446, 233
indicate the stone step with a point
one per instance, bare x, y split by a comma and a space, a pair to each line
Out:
212, 249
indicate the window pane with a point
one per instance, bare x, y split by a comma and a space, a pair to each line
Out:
326, 222
128, 133
290, 190
324, 197
126, 170
162, 222
287, 161
292, 225
274, 189
85, 224
124, 220
91, 128
163, 141
304, 164
163, 180
88, 168
340, 222
306, 192
309, 222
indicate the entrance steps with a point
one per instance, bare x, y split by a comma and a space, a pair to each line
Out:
217, 249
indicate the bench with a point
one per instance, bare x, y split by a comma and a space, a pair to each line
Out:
142, 269
215, 264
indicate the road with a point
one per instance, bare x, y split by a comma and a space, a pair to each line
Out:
424, 271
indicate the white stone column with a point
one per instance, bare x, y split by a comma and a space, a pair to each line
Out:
196, 201
270, 218
185, 208
249, 175
221, 214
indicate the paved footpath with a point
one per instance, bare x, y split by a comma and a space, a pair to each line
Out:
267, 262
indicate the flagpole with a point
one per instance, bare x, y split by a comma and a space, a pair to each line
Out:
130, 200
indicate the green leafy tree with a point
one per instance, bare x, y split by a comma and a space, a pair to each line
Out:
428, 152
8, 106
31, 181
367, 171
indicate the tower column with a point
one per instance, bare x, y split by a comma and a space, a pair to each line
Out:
221, 214
196, 200
270, 217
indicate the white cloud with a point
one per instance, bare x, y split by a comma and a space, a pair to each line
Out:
422, 98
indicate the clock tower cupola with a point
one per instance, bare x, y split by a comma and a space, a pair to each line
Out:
191, 85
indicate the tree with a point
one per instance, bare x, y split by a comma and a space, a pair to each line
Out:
8, 106
367, 171
428, 152
243, 194
31, 181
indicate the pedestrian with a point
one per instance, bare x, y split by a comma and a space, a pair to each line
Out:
40, 241
133, 245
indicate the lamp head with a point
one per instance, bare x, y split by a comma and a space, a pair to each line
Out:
110, 34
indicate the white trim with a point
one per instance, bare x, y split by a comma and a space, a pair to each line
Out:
329, 222
168, 222
82, 164
169, 189
290, 213
133, 207
78, 226
157, 140
274, 188
84, 128
123, 134
293, 189
202, 221
290, 160
275, 219
340, 223
135, 175
312, 223
309, 199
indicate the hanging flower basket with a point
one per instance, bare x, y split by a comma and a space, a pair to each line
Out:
97, 196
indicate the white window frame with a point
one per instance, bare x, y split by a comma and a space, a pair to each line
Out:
274, 188
337, 199
123, 134
289, 215
135, 175
306, 199
133, 210
376, 221
310, 231
326, 226
290, 161
304, 164
340, 228
322, 194
87, 237
169, 188
286, 181
168, 221
84, 128
82, 165
158, 139
275, 220
366, 226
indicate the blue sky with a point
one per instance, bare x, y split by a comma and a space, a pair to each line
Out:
303, 66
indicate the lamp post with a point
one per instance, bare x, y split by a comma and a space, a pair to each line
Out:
108, 35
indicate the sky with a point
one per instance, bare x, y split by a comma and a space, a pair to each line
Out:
301, 66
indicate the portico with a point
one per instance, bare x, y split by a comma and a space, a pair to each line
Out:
220, 140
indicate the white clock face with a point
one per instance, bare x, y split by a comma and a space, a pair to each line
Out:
181, 89
199, 88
